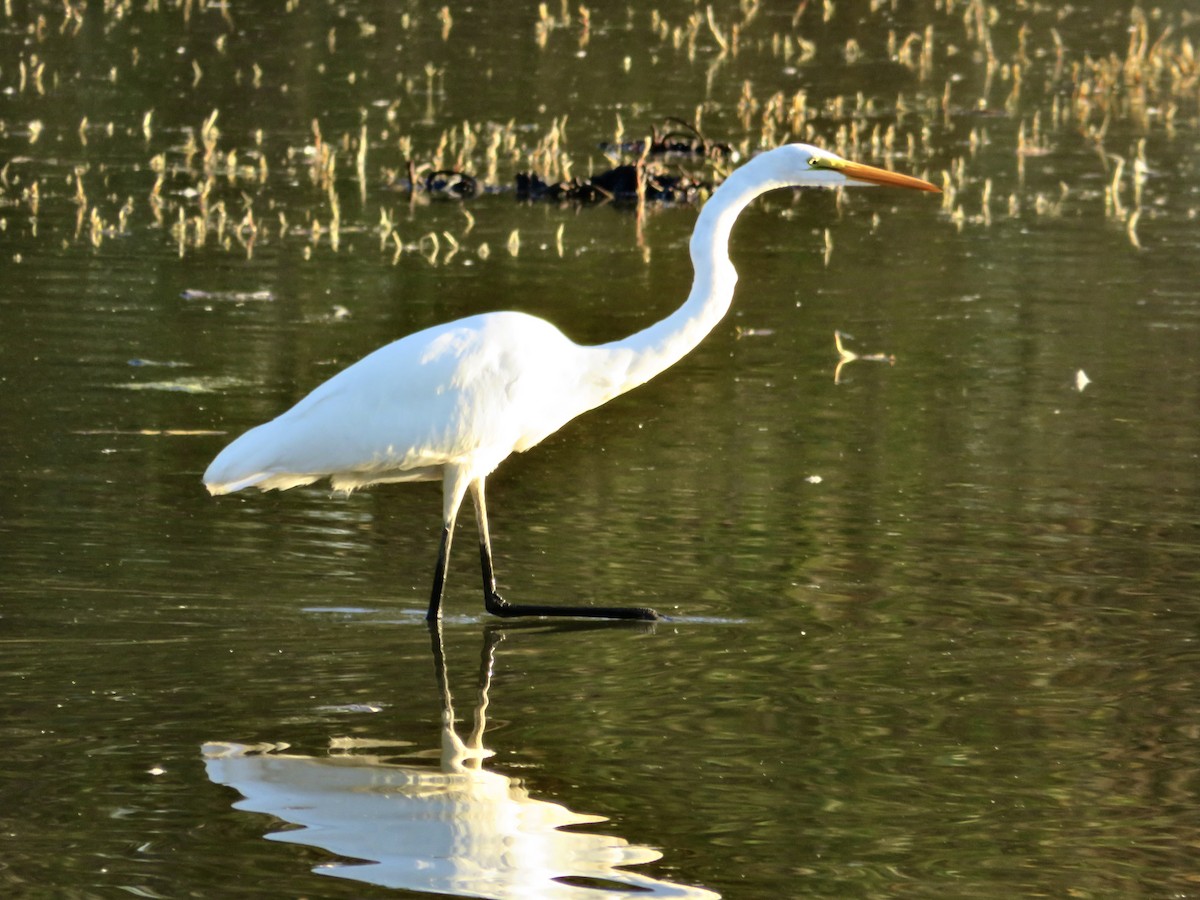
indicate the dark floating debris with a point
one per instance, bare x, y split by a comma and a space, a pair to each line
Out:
641, 182
449, 183
686, 140
638, 182
618, 185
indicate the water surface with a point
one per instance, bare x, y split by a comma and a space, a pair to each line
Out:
933, 621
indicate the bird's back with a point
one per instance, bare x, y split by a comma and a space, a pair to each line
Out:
466, 393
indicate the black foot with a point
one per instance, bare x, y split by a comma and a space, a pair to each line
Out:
498, 606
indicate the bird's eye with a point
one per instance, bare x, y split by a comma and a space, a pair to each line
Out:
830, 163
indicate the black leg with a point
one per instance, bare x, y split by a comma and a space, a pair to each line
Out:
439, 575
498, 606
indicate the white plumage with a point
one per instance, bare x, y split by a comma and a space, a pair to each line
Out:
454, 394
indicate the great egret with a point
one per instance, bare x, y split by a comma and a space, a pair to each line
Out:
453, 401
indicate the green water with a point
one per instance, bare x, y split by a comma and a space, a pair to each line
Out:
934, 622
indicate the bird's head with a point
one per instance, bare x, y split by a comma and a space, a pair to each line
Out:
805, 165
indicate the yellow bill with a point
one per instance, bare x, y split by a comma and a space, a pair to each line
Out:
872, 175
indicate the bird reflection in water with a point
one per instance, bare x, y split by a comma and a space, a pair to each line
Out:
455, 828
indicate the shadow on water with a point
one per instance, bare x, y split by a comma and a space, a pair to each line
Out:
453, 827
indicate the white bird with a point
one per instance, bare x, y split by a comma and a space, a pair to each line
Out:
453, 401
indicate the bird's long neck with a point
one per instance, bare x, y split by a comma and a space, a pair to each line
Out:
639, 357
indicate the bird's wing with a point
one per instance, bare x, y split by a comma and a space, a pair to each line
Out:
462, 393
